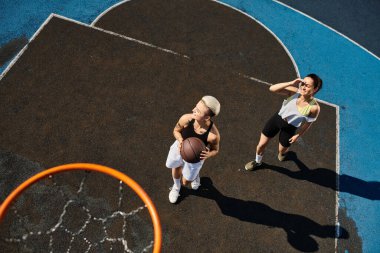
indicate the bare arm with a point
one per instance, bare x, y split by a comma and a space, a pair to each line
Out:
182, 122
301, 131
287, 88
304, 128
314, 112
214, 146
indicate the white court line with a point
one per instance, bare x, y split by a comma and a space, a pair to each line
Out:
328, 27
122, 36
337, 224
337, 156
107, 10
14, 60
269, 30
269, 84
240, 74
185, 56
282, 44
254, 79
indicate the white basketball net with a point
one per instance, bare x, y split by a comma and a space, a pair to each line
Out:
76, 232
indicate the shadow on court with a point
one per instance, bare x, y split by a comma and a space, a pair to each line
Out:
299, 229
78, 94
327, 178
10, 49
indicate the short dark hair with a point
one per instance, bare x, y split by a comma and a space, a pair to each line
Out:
317, 81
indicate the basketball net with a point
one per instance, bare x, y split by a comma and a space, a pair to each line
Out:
55, 215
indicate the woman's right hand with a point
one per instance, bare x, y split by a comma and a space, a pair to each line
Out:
286, 88
297, 81
180, 144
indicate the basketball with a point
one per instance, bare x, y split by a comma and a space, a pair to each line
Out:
191, 149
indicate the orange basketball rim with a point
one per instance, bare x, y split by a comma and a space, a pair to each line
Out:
98, 168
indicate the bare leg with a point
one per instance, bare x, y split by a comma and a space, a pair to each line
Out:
177, 172
174, 192
281, 149
262, 144
185, 182
259, 153
282, 152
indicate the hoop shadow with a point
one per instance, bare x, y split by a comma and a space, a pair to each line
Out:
327, 178
299, 229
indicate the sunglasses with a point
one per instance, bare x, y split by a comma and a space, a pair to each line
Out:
303, 84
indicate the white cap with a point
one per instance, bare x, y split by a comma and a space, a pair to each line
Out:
212, 103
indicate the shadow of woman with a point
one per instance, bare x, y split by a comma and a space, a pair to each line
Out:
328, 178
299, 229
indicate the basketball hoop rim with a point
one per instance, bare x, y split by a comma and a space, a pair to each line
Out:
97, 168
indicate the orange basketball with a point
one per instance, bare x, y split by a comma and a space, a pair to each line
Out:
191, 149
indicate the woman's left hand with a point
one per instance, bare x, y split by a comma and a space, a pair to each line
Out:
294, 138
205, 154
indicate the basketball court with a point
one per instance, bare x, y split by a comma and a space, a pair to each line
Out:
111, 92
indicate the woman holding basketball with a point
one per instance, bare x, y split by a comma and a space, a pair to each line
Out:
298, 112
196, 124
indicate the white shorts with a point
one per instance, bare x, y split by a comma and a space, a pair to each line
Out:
174, 160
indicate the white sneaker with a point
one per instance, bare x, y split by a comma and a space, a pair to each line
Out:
196, 183
173, 194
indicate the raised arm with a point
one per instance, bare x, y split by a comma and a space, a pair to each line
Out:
287, 88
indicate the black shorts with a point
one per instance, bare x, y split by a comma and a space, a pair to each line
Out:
277, 124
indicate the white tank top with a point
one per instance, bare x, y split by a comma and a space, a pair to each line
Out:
294, 115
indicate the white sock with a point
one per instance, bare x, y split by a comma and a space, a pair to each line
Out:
177, 183
258, 158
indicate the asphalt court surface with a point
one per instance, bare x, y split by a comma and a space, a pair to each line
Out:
205, 30
79, 94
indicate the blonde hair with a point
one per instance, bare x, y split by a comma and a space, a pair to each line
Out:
213, 104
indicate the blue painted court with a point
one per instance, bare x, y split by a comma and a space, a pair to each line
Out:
350, 72
351, 75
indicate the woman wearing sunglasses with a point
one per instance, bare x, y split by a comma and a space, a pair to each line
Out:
298, 112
